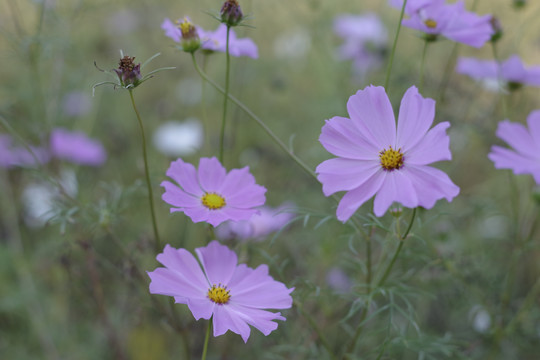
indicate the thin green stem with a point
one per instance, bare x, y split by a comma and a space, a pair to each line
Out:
207, 336
250, 113
422, 66
392, 53
527, 303
398, 250
226, 97
499, 79
206, 125
147, 174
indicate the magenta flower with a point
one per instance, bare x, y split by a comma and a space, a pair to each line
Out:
76, 147
12, 155
512, 71
451, 21
364, 38
234, 296
211, 194
216, 40
413, 6
258, 226
375, 159
524, 158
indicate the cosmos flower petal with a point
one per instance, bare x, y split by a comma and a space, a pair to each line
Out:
185, 175
183, 262
211, 174
77, 147
201, 309
196, 214
477, 69
171, 30
431, 185
372, 113
435, 146
396, 187
172, 283
513, 69
218, 261
177, 197
236, 179
260, 319
508, 159
240, 214
352, 200
533, 121
248, 197
416, 115
225, 319
517, 136
251, 286
345, 174
340, 137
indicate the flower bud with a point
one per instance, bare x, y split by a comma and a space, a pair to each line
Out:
231, 14
128, 72
190, 38
497, 29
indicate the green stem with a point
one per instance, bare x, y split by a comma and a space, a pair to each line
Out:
392, 53
422, 66
266, 129
206, 125
398, 250
147, 174
226, 100
499, 79
527, 303
205, 348
448, 70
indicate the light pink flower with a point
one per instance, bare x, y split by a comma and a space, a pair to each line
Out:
233, 295
376, 159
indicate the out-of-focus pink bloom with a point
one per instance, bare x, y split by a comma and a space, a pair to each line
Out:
453, 22
216, 40
338, 280
77, 147
365, 38
258, 226
77, 103
210, 193
12, 155
512, 71
524, 158
233, 295
376, 159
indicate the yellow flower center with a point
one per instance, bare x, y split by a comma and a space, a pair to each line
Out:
219, 294
186, 28
430, 23
213, 201
391, 159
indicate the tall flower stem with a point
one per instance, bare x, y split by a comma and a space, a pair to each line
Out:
448, 70
316, 328
207, 336
392, 53
226, 93
360, 328
422, 66
258, 120
147, 174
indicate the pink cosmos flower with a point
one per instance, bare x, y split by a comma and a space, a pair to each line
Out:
413, 5
512, 71
373, 158
234, 296
216, 40
258, 226
211, 194
451, 21
12, 155
365, 39
77, 147
524, 158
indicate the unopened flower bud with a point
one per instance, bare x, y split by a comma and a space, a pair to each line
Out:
128, 72
190, 38
497, 29
396, 211
231, 14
